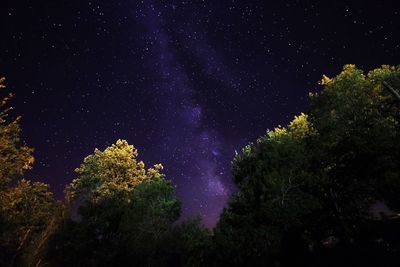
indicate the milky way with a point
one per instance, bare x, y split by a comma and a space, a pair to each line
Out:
190, 146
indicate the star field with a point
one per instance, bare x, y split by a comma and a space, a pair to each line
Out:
186, 82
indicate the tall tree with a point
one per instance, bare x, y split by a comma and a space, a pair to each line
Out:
275, 185
119, 211
310, 186
25, 207
15, 157
358, 147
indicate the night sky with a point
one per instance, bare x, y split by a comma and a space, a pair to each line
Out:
186, 82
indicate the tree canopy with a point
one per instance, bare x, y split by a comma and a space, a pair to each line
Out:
119, 211
313, 182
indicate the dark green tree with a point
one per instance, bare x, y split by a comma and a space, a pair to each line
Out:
189, 244
309, 187
358, 146
119, 211
275, 196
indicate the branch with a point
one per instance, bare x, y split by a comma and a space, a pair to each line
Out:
21, 245
391, 90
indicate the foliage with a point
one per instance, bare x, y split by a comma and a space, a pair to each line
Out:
313, 182
189, 244
14, 157
123, 211
275, 195
359, 144
25, 211
25, 207
114, 170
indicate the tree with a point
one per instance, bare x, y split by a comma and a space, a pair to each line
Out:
274, 196
25, 207
119, 211
113, 170
14, 157
309, 187
359, 145
358, 149
189, 244
26, 210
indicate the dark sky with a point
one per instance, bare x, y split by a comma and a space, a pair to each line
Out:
186, 82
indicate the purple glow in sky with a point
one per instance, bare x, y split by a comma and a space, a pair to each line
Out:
198, 164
